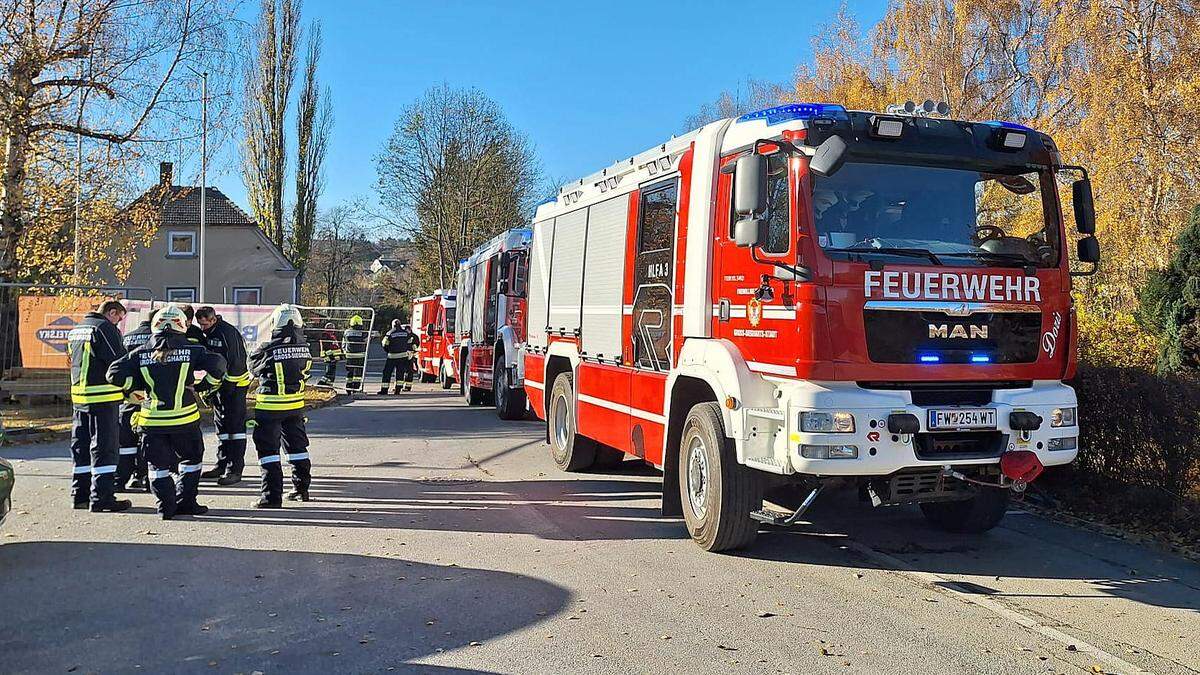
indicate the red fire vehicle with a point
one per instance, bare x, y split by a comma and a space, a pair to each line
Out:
491, 323
808, 296
433, 322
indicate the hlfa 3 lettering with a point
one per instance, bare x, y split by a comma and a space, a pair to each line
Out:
658, 271
951, 286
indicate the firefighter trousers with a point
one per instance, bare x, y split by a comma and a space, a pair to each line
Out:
331, 369
167, 448
403, 368
229, 413
282, 429
355, 365
131, 461
94, 442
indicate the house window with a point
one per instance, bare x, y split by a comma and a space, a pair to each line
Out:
181, 294
181, 244
247, 296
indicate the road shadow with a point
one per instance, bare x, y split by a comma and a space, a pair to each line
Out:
217, 609
422, 414
1024, 546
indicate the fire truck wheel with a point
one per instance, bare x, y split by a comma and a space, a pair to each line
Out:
718, 494
510, 402
472, 395
971, 516
571, 452
427, 377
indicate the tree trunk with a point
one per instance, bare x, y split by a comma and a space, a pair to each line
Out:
12, 180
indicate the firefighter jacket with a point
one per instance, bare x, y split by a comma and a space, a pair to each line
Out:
331, 345
164, 368
225, 339
400, 344
354, 342
133, 340
94, 344
281, 367
195, 335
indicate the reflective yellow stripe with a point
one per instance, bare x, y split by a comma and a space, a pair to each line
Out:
242, 380
170, 418
213, 381
83, 393
150, 387
97, 398
180, 384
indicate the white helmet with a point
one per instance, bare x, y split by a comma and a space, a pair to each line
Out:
170, 318
285, 314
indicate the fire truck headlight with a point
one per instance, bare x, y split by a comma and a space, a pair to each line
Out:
826, 422
1063, 417
1067, 443
1012, 140
829, 451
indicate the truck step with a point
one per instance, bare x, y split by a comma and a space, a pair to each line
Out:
770, 516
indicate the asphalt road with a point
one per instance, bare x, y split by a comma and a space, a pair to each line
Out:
444, 540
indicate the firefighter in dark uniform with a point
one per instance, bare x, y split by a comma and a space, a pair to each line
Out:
281, 367
93, 344
331, 353
228, 401
354, 343
400, 344
194, 334
165, 368
131, 464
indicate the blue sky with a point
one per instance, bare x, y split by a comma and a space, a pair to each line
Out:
588, 83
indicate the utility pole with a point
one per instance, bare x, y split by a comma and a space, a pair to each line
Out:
79, 161
203, 175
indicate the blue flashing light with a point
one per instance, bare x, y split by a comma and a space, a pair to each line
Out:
1009, 125
929, 358
796, 111
980, 358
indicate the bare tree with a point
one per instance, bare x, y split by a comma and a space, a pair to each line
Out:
338, 252
748, 97
269, 79
125, 60
453, 173
314, 120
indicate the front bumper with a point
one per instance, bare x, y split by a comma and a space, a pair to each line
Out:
881, 452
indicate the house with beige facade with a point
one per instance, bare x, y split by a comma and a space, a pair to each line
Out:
242, 266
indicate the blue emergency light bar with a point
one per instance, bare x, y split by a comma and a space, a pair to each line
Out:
797, 111
980, 358
930, 358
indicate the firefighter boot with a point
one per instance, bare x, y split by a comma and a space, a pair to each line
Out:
187, 488
383, 390
398, 389
272, 486
301, 478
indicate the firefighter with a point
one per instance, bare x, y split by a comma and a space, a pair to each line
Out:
400, 344
332, 353
194, 334
354, 343
164, 369
131, 462
93, 344
228, 400
281, 367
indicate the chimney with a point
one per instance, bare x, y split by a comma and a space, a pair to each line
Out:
165, 174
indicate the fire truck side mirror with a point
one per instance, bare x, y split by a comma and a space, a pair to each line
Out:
1085, 208
502, 287
1089, 250
750, 186
748, 232
829, 157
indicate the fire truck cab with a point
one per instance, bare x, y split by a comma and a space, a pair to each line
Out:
433, 322
492, 287
808, 296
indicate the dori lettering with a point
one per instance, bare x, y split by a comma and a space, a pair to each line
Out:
1050, 337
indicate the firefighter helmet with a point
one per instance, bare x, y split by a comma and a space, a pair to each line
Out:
356, 320
170, 318
285, 314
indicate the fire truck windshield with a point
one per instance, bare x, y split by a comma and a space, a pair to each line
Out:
931, 215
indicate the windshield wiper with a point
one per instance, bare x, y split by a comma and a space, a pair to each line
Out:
910, 252
1021, 260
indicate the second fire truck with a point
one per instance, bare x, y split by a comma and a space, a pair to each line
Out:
492, 286
433, 322
806, 296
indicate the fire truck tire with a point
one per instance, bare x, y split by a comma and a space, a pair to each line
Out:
510, 402
570, 451
971, 516
718, 494
472, 395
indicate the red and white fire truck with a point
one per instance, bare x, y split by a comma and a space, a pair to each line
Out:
492, 285
433, 322
806, 296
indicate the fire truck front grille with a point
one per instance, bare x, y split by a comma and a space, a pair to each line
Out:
920, 485
959, 445
906, 336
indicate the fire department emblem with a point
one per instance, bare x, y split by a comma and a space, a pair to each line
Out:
754, 311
